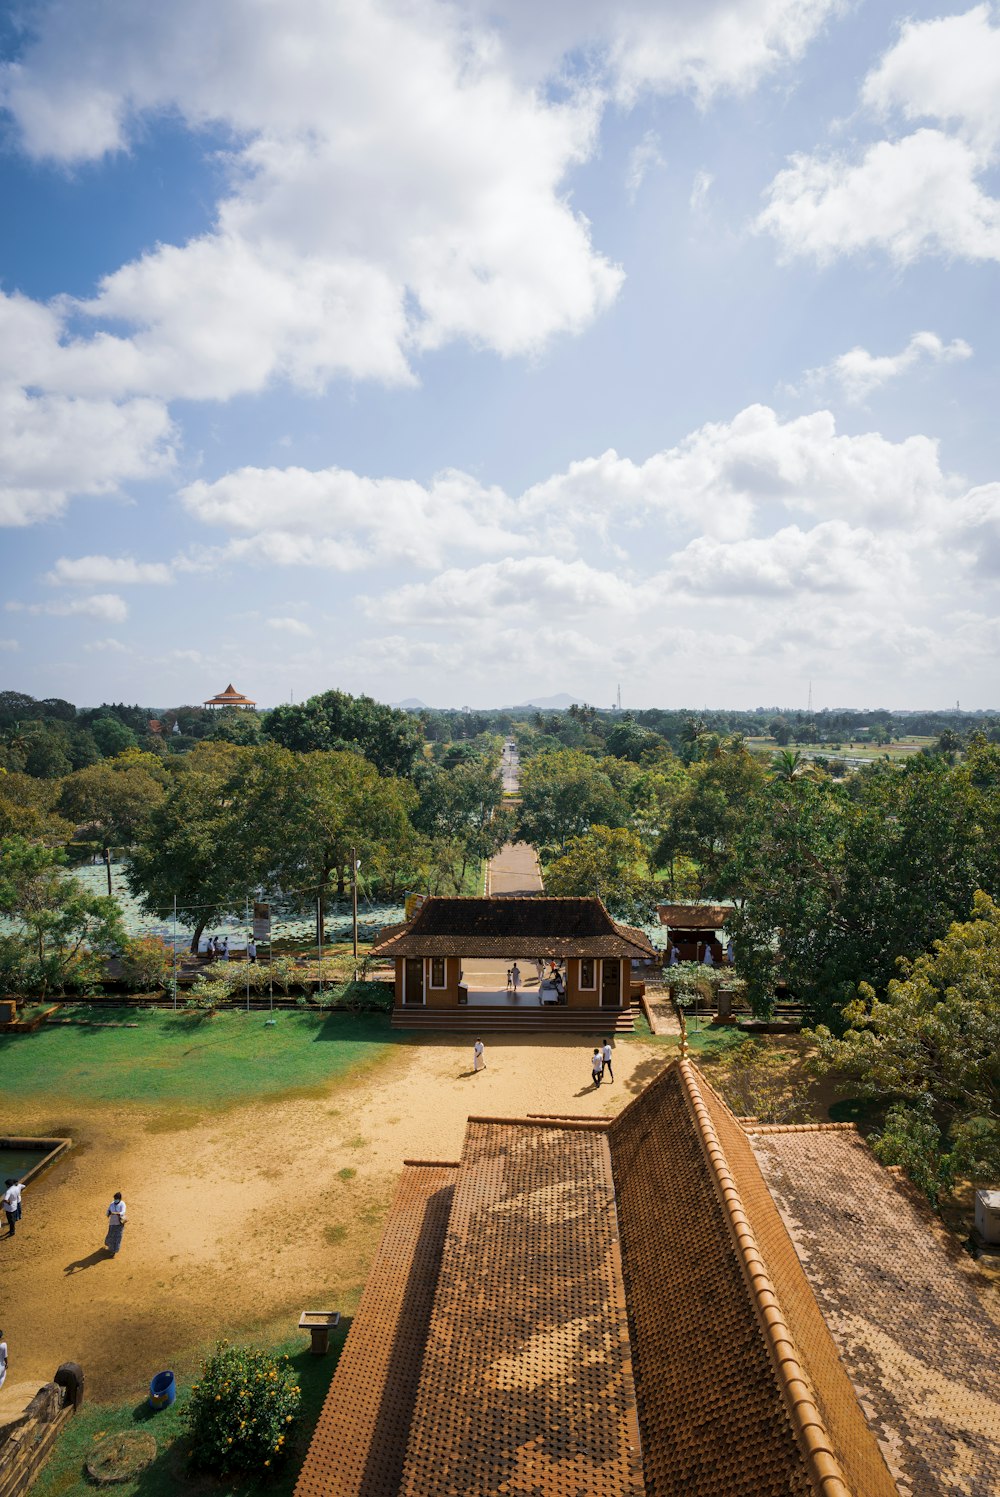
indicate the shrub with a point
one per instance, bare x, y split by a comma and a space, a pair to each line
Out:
147, 963
242, 1410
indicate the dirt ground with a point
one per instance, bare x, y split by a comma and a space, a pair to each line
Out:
238, 1220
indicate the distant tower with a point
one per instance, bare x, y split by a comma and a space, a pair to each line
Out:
809, 709
619, 696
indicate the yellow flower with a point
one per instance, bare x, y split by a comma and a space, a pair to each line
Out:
288, 1418
218, 1397
267, 1463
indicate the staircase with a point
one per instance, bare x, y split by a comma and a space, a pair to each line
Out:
503, 1020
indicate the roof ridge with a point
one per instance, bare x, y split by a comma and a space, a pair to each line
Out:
756, 1128
793, 1383
591, 1125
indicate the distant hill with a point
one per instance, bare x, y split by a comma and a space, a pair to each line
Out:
411, 704
556, 703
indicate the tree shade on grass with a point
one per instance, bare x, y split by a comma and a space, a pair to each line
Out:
185, 1058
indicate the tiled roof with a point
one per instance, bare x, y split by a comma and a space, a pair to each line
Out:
715, 1412
916, 1325
620, 1308
360, 1439
501, 927
527, 1386
694, 916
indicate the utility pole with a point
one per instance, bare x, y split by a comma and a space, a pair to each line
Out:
174, 944
319, 933
354, 896
246, 954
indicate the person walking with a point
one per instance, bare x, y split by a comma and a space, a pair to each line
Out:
225, 948
12, 1204
510, 979
116, 1224
606, 1057
479, 1056
251, 950
675, 956
597, 1066
515, 977
3, 1359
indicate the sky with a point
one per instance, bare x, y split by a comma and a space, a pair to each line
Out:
471, 352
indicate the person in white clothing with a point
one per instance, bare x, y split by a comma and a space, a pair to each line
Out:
515, 977
606, 1057
12, 1204
116, 1224
3, 1359
675, 956
225, 948
708, 960
251, 950
478, 1056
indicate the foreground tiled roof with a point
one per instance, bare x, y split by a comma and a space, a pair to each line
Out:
526, 1385
726, 1405
502, 927
916, 1326
620, 1307
360, 1439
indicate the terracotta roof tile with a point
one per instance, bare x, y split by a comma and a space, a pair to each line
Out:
916, 1325
360, 1439
526, 1385
711, 1410
502, 927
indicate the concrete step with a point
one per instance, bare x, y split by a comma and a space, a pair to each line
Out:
522, 1021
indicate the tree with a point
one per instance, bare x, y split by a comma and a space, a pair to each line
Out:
780, 730
28, 809
390, 738
608, 862
709, 813
188, 850
563, 793
116, 797
463, 805
112, 736
629, 740
932, 1046
297, 818
789, 765
62, 934
838, 880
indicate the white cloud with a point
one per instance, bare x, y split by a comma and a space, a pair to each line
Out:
290, 626
859, 372
717, 482
392, 189
532, 585
700, 189
106, 606
92, 571
699, 47
831, 559
922, 193
109, 646
642, 159
9, 646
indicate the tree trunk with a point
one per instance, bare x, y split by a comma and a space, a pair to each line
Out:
107, 864
199, 927
341, 883
321, 911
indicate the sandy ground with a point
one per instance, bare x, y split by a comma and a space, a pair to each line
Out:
238, 1220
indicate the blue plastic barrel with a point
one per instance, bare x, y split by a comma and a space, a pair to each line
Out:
162, 1390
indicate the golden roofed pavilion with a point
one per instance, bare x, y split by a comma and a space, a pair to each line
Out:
230, 698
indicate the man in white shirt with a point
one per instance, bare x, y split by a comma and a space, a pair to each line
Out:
606, 1057
478, 1056
3, 1359
116, 1224
12, 1204
251, 950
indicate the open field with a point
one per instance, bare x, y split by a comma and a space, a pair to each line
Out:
858, 750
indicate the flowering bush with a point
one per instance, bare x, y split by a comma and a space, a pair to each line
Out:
147, 963
242, 1410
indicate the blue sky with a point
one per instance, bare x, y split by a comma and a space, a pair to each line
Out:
454, 352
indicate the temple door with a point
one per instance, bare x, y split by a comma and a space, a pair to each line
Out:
414, 991
611, 979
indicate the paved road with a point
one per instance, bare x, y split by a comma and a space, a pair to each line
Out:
511, 767
514, 870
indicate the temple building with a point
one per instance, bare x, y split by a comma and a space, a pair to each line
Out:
498, 962
667, 1303
230, 698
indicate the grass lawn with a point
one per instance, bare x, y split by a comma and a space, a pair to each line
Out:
65, 1476
182, 1057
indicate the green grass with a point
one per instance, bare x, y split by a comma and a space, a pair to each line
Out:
706, 1041
215, 1061
64, 1476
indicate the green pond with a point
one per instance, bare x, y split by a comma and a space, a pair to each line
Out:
16, 1162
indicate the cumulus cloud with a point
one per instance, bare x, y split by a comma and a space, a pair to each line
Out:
107, 606
642, 159
528, 584
290, 626
9, 646
832, 559
916, 194
93, 571
859, 372
107, 646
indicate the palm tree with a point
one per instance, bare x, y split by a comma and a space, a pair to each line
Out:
789, 765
